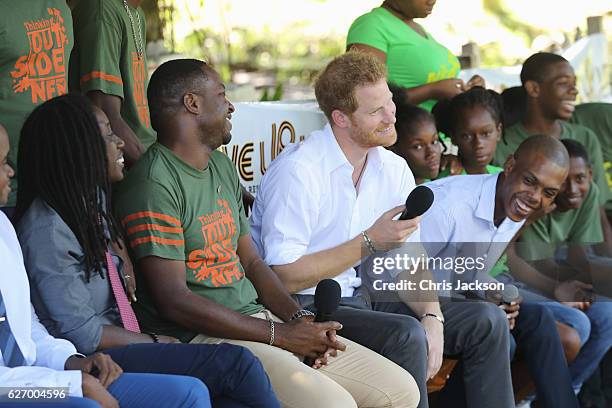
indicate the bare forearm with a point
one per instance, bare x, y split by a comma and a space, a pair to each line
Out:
528, 274
272, 293
113, 336
133, 147
205, 316
111, 105
554, 270
604, 248
419, 302
422, 93
310, 269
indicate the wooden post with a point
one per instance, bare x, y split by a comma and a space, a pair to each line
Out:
470, 56
595, 25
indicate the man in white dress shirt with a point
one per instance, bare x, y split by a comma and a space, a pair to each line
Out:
323, 200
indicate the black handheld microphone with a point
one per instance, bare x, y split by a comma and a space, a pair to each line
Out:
509, 294
419, 200
326, 300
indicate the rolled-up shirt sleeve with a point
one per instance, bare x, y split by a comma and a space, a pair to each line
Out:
406, 186
287, 214
58, 287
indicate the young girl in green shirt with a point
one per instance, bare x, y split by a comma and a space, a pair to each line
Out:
417, 138
473, 120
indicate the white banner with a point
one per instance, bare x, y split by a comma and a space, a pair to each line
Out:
262, 130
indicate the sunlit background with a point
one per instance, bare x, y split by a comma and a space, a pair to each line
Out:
276, 46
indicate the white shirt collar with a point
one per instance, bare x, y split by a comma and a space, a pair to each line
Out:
485, 208
335, 158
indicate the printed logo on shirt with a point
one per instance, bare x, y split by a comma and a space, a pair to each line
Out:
218, 261
448, 70
42, 72
140, 94
608, 169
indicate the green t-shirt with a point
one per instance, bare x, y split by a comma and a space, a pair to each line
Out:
35, 44
105, 59
597, 116
516, 134
581, 225
412, 60
173, 211
490, 170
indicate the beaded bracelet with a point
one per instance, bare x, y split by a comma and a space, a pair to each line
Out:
271, 332
368, 242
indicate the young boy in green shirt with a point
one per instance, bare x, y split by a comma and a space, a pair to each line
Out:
575, 220
550, 87
597, 116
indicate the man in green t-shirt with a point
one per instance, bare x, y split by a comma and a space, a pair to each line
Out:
575, 221
36, 40
550, 85
109, 65
200, 277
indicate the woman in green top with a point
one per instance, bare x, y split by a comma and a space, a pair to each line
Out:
390, 33
417, 138
473, 120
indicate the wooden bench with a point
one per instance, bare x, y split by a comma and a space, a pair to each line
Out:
521, 380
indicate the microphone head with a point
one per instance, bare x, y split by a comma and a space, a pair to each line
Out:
419, 200
327, 296
509, 294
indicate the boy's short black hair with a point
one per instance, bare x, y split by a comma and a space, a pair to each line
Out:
576, 149
535, 67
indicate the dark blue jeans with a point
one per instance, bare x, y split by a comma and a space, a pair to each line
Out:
537, 340
140, 391
233, 375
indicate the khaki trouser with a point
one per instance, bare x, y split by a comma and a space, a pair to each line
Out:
358, 377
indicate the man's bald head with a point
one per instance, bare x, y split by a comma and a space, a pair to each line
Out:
542, 146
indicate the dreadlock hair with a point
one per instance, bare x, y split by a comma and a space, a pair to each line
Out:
450, 114
535, 67
576, 150
408, 117
64, 162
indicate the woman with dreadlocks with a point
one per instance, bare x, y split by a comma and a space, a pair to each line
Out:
69, 240
30, 357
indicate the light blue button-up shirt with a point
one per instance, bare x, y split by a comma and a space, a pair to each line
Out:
460, 224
